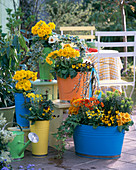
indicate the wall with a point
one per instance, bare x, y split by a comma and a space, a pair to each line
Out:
3, 14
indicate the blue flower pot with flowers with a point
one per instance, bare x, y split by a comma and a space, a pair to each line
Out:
100, 143
23, 85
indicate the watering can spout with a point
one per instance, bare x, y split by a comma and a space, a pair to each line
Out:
32, 138
23, 149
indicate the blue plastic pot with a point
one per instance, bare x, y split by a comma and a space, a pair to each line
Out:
21, 110
100, 143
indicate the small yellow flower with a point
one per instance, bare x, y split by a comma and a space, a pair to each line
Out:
89, 117
73, 66
109, 112
88, 67
117, 111
83, 65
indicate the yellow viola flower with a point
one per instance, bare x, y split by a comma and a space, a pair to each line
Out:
88, 67
53, 117
37, 95
73, 66
83, 65
79, 64
109, 112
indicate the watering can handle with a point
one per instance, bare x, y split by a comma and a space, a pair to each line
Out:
12, 123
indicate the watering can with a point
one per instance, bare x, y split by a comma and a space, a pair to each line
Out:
17, 146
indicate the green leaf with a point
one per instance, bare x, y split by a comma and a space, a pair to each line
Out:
22, 42
3, 35
64, 71
8, 51
120, 128
15, 43
72, 73
95, 126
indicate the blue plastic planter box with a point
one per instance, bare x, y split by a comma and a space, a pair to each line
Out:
100, 143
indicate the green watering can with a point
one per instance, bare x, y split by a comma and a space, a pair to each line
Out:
17, 146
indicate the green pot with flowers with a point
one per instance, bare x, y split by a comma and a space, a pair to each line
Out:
72, 73
97, 126
22, 81
41, 111
44, 36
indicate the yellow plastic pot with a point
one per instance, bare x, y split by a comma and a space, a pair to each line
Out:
41, 128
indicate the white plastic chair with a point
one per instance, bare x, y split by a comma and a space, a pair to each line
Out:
103, 54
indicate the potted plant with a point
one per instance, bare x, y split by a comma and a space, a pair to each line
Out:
7, 103
44, 41
97, 126
9, 61
70, 70
41, 111
5, 138
22, 80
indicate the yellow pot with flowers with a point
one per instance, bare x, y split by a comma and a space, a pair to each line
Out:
70, 71
43, 34
97, 126
22, 81
41, 112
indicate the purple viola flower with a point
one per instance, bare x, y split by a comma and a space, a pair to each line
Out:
21, 167
4, 168
33, 165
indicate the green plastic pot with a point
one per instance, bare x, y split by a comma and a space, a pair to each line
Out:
44, 68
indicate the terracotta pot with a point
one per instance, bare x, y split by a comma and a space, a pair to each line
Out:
66, 88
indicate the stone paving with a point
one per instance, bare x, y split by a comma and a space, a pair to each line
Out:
71, 161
